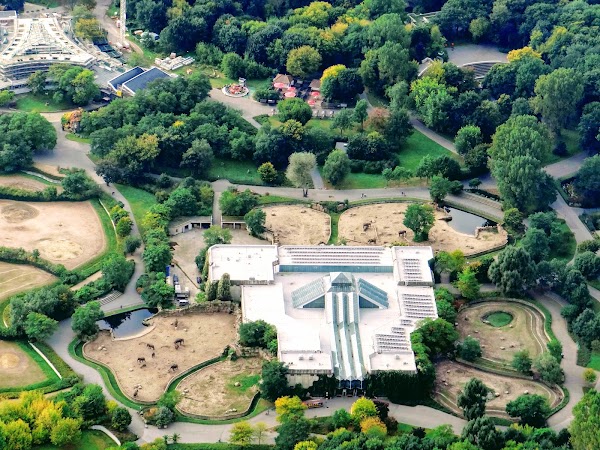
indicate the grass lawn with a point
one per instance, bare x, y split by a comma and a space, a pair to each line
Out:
499, 319
335, 219
571, 140
37, 103
139, 200
595, 361
46, 3
416, 147
271, 199
90, 440
317, 123
596, 284
238, 172
77, 138
376, 101
246, 381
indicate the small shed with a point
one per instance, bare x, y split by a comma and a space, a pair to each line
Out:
184, 224
283, 81
315, 85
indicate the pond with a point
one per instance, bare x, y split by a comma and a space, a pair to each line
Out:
127, 323
465, 222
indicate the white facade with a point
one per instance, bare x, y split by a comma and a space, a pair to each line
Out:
343, 311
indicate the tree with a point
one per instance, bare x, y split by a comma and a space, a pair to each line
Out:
291, 432
586, 423
361, 113
589, 376
91, 404
131, 244
224, 288
530, 409
157, 256
274, 381
267, 173
85, 318
588, 264
37, 82
306, 445
260, 429
587, 181
589, 128
439, 187
467, 284
198, 158
120, 418
303, 61
288, 408
124, 226
482, 432
337, 167
65, 431
241, 433
555, 348
117, 271
467, 138
299, 169
216, 236
18, 435
77, 185
536, 243
513, 271
363, 408
513, 220
255, 221
469, 349
164, 416
89, 29
438, 336
521, 361
39, 327
373, 427
557, 95
341, 418
343, 86
158, 292
343, 120
419, 218
472, 399
549, 368
294, 109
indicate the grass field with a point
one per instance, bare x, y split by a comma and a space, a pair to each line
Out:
37, 103
499, 319
335, 220
90, 440
416, 147
22, 368
595, 361
77, 138
568, 247
240, 172
140, 202
571, 140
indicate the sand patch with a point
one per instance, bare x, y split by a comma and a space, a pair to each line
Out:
60, 250
18, 212
298, 225
17, 368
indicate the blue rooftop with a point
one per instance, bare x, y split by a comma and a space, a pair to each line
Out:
124, 77
143, 79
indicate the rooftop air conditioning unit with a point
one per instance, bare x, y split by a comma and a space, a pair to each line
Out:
301, 358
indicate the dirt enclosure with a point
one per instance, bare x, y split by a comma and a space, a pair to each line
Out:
68, 233
524, 332
205, 335
15, 278
17, 368
385, 223
221, 387
21, 182
298, 225
451, 378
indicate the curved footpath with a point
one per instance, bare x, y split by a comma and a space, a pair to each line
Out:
73, 154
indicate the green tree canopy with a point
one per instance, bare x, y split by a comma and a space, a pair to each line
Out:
530, 409
85, 318
472, 399
337, 167
419, 218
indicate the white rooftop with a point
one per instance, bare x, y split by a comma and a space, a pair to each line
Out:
252, 263
330, 321
41, 39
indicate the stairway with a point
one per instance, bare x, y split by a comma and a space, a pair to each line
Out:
113, 295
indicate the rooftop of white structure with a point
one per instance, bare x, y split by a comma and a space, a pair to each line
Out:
412, 264
35, 39
243, 262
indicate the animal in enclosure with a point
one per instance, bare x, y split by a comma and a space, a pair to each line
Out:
173, 368
372, 241
150, 346
141, 360
178, 342
153, 354
135, 393
402, 233
366, 226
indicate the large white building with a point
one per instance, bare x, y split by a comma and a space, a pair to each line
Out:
32, 44
343, 311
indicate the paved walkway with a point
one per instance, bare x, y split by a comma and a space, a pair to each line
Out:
566, 167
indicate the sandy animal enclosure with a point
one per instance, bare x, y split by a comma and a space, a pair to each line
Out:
15, 278
205, 335
525, 332
21, 182
451, 378
68, 233
17, 368
385, 223
298, 225
212, 391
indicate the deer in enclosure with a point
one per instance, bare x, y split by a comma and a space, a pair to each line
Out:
176, 323
366, 226
174, 368
372, 241
402, 233
141, 360
150, 346
178, 342
135, 393
153, 354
